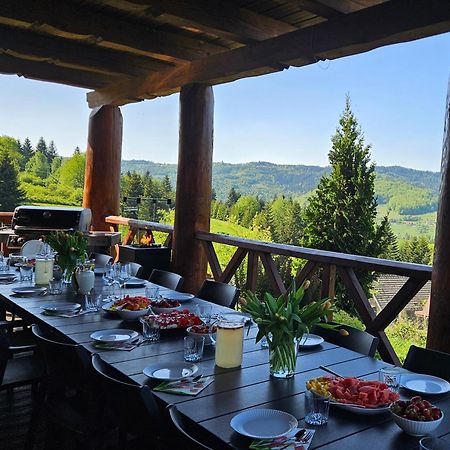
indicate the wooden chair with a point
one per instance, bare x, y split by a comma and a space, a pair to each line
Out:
73, 407
130, 406
429, 362
357, 340
169, 280
219, 293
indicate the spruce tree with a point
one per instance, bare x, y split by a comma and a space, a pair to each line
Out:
52, 152
11, 194
233, 197
27, 151
38, 165
341, 215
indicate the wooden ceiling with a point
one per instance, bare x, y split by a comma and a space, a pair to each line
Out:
130, 50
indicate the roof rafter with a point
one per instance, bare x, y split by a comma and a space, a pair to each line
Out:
316, 7
403, 20
104, 30
217, 17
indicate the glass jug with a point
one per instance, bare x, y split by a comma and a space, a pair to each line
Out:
43, 269
229, 341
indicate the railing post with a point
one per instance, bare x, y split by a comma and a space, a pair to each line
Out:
194, 178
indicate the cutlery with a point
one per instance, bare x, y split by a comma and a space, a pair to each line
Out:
301, 437
193, 379
331, 371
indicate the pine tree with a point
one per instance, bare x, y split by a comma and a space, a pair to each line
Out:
11, 194
233, 197
38, 165
42, 146
52, 152
341, 215
27, 150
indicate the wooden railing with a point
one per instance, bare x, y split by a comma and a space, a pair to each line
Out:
327, 263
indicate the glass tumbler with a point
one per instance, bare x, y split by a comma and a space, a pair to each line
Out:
391, 376
317, 408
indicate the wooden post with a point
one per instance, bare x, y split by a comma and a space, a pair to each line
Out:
194, 178
103, 157
439, 319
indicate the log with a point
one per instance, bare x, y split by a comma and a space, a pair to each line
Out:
103, 157
194, 183
439, 319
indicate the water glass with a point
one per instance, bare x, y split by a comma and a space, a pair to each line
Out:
193, 348
150, 331
26, 271
3, 263
434, 443
152, 292
55, 287
93, 301
391, 377
316, 408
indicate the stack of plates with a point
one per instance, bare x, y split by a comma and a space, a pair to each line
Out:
28, 290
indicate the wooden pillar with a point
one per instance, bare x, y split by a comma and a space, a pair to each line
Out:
439, 319
194, 178
103, 157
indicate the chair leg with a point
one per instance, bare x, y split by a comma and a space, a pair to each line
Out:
37, 396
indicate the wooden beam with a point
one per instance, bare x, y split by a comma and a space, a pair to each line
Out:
317, 8
75, 22
252, 271
193, 198
220, 18
103, 156
64, 53
272, 273
232, 265
213, 260
45, 71
403, 20
439, 318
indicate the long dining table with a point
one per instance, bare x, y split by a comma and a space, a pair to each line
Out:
234, 390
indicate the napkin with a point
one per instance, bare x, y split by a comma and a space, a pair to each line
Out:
126, 346
288, 442
186, 386
66, 314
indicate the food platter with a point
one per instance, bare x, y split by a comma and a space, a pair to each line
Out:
263, 423
173, 320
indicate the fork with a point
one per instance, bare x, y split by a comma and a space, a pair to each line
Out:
303, 439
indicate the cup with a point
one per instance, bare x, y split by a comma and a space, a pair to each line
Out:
93, 301
150, 332
391, 377
317, 408
434, 443
55, 287
193, 348
26, 272
152, 292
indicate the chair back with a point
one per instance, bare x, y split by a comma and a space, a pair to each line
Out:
67, 364
357, 340
131, 407
219, 293
169, 280
101, 259
136, 269
429, 362
199, 440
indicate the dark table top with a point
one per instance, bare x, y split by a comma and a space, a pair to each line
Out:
235, 390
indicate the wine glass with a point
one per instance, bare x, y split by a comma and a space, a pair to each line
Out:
124, 274
86, 282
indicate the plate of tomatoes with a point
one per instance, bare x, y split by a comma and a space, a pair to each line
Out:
174, 319
355, 395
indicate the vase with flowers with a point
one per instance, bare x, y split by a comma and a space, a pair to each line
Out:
283, 321
70, 248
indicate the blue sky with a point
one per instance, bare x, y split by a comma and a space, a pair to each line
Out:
398, 95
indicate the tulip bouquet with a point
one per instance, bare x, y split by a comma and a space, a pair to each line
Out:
283, 321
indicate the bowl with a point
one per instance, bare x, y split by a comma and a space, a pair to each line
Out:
164, 306
207, 337
158, 310
416, 427
127, 314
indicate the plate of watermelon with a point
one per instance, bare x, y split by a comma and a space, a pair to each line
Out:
354, 394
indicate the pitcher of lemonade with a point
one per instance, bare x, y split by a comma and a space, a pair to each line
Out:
229, 341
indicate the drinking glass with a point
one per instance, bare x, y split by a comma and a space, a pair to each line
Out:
150, 331
152, 292
55, 287
316, 408
193, 348
26, 270
125, 274
204, 312
391, 377
434, 443
86, 282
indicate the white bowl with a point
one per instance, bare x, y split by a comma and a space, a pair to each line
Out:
416, 427
157, 310
126, 314
207, 337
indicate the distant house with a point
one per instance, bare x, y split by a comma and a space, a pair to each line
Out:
388, 285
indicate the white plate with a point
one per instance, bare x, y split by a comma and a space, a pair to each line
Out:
107, 307
61, 307
134, 282
310, 340
170, 371
180, 296
114, 335
7, 276
28, 290
424, 384
360, 410
31, 248
263, 423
